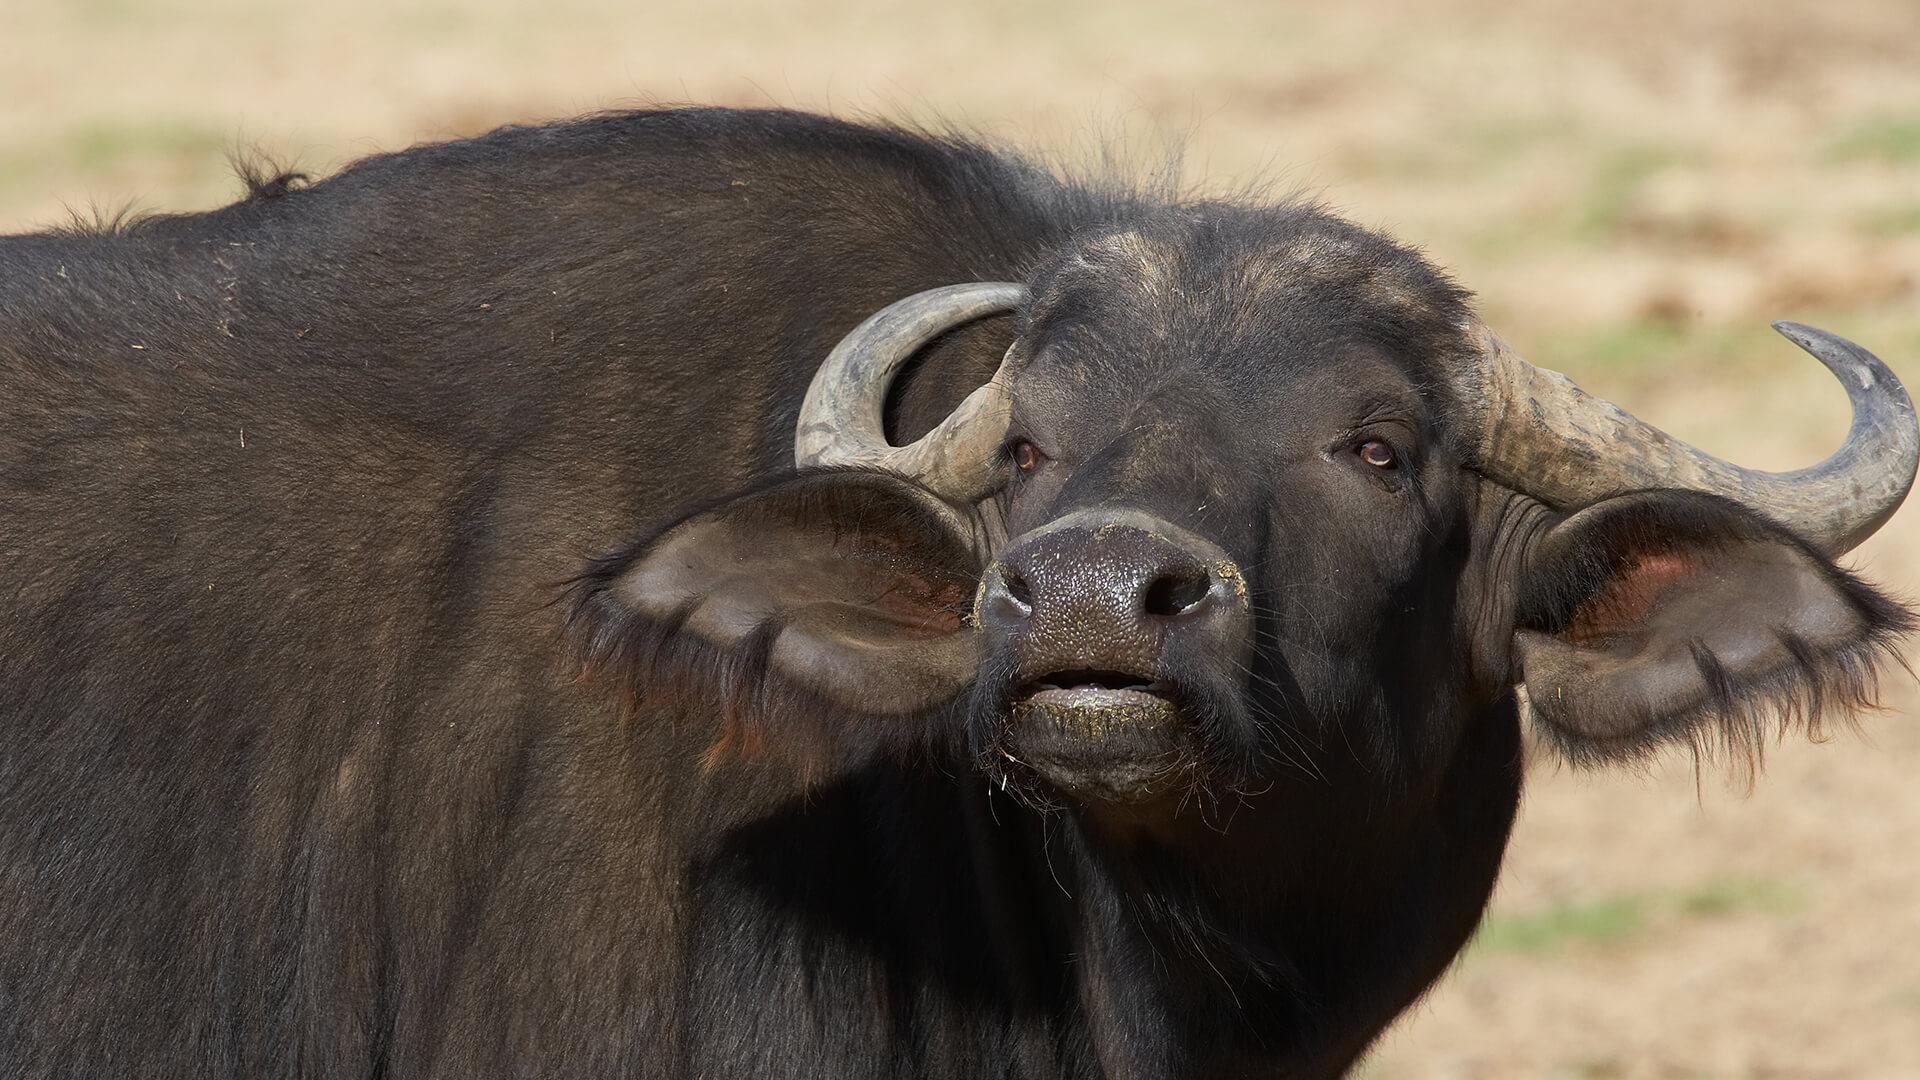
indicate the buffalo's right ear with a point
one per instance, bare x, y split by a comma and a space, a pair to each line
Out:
822, 608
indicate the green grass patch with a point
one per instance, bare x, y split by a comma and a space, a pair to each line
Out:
1626, 347
1659, 355
102, 142
112, 13
1734, 895
1613, 189
102, 145
1473, 150
160, 162
1502, 141
1599, 922
1890, 221
1894, 140
1651, 349
1614, 920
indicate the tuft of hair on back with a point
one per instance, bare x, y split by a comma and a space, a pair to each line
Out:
264, 176
98, 220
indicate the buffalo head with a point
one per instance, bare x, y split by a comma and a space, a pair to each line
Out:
1254, 503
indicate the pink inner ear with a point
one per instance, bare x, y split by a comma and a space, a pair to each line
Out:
917, 607
1629, 596
870, 573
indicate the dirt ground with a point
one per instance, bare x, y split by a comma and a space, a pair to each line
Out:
1633, 189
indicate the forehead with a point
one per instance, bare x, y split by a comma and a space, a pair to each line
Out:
1250, 305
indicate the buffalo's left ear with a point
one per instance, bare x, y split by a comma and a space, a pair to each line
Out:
824, 603
1668, 616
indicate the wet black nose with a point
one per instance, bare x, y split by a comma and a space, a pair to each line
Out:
1119, 573
1102, 592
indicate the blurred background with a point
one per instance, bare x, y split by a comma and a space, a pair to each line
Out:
1634, 189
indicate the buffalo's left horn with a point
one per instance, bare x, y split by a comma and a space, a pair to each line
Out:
1542, 435
842, 421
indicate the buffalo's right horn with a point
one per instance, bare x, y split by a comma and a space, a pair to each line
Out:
1542, 435
842, 422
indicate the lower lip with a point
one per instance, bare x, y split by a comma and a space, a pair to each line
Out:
1094, 713
1100, 744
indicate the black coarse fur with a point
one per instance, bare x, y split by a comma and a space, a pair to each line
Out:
299, 776
333, 749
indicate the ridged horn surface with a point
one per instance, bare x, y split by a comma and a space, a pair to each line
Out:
842, 419
1545, 436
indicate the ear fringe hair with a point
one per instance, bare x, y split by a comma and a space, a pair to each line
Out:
1733, 724
659, 668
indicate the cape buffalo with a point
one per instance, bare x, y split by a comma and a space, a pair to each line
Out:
704, 593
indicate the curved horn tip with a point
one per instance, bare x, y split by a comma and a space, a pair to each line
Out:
840, 422
1883, 418
1838, 353
1546, 438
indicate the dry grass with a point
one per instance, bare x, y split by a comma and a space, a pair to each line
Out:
1633, 188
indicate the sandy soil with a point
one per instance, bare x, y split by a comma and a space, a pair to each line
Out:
1633, 188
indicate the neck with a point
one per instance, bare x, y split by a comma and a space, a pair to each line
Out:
1277, 938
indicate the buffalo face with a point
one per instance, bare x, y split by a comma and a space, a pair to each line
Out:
1223, 473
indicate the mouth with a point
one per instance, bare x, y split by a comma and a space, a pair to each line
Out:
1091, 681
1103, 735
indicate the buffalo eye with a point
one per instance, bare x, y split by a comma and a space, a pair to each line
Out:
1378, 454
1024, 455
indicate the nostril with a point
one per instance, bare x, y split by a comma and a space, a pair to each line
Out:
1177, 592
1017, 590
